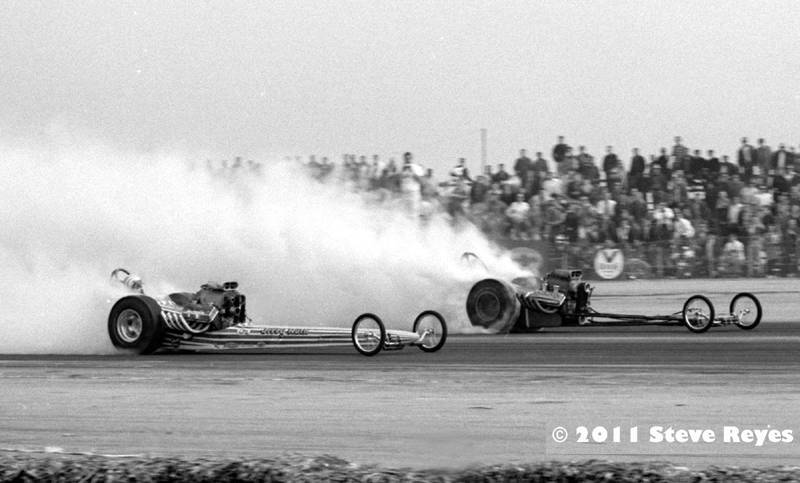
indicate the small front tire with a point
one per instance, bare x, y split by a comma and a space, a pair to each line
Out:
749, 309
432, 322
368, 334
698, 313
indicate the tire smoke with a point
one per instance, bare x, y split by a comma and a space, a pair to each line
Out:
304, 253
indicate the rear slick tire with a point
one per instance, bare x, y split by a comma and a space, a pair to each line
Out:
493, 304
134, 323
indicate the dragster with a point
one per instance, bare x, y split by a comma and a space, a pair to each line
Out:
215, 319
563, 298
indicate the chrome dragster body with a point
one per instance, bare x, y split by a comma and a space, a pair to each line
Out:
215, 319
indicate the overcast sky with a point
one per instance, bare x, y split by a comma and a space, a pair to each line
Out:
270, 78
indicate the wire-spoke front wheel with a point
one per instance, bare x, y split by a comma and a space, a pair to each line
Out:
368, 334
431, 327
698, 313
747, 310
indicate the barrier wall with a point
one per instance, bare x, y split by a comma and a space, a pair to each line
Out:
666, 259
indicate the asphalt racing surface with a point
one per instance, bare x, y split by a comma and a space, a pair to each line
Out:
480, 399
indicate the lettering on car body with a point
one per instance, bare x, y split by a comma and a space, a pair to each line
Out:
277, 331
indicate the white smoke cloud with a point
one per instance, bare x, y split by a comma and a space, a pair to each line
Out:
304, 253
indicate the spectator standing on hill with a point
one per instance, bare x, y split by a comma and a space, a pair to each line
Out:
781, 159
460, 171
522, 165
746, 159
540, 166
680, 155
586, 166
662, 160
501, 176
712, 163
697, 164
560, 151
763, 157
610, 161
636, 173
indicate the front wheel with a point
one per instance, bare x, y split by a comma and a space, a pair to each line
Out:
747, 310
134, 323
368, 334
431, 327
698, 313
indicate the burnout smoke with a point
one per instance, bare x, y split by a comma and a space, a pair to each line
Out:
304, 253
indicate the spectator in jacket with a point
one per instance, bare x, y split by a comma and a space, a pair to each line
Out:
636, 173
746, 159
680, 154
763, 157
522, 165
501, 176
560, 151
610, 161
460, 171
781, 159
540, 165
586, 166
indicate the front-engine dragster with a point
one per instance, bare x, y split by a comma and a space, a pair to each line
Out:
563, 298
215, 318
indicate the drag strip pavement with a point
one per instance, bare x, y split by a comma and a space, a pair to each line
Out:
481, 399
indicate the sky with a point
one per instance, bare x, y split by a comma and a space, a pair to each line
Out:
268, 79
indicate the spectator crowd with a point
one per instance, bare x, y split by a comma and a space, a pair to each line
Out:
682, 211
